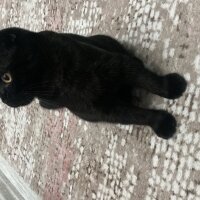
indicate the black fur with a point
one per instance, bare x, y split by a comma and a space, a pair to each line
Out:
94, 77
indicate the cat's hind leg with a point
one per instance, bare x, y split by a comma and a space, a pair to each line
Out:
163, 123
170, 86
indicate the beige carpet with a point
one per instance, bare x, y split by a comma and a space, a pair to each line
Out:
63, 157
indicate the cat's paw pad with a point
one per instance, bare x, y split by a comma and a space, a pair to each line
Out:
165, 126
176, 85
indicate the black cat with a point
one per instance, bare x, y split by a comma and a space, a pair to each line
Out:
92, 76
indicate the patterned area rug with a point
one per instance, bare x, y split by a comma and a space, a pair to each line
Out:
63, 157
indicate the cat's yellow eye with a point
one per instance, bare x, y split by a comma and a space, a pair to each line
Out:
6, 78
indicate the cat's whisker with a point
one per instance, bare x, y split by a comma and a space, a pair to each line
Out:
48, 94
49, 102
40, 92
38, 85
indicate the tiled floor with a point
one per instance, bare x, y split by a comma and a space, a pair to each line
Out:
12, 186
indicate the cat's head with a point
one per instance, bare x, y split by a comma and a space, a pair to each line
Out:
18, 61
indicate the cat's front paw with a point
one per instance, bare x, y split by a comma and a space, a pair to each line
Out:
165, 125
176, 85
49, 105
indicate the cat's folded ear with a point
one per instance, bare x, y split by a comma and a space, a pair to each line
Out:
12, 37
